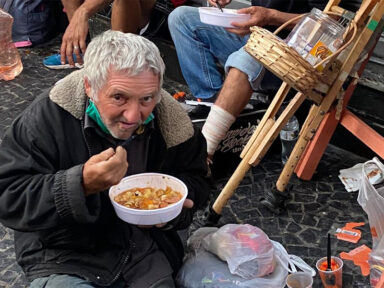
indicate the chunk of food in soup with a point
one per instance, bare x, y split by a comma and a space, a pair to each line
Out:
148, 198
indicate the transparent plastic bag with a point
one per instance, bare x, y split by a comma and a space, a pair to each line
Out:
202, 269
376, 263
371, 198
246, 248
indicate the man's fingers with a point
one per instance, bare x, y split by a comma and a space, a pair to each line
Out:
83, 47
118, 163
237, 31
223, 2
62, 52
240, 25
104, 156
247, 10
121, 153
188, 203
76, 51
68, 52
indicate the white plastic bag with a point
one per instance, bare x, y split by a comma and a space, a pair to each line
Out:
202, 269
371, 199
376, 263
246, 248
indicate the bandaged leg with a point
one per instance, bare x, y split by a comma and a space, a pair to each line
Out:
216, 127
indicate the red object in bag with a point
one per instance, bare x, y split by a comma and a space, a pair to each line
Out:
177, 3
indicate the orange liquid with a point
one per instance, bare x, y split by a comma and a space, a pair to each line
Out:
324, 265
10, 72
331, 279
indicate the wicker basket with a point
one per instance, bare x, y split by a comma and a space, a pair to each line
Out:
286, 63
282, 60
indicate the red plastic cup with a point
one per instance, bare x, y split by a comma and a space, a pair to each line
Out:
333, 278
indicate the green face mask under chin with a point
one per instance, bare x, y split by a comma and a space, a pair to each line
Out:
94, 114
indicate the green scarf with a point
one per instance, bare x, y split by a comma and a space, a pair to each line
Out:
94, 114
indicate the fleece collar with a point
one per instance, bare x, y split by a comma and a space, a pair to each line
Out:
174, 123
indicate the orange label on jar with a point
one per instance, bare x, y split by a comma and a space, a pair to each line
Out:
320, 51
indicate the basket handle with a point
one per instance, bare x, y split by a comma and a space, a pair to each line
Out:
330, 57
334, 55
277, 31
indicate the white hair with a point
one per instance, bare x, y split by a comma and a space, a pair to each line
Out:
121, 52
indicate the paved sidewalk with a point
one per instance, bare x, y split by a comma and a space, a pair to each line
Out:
314, 208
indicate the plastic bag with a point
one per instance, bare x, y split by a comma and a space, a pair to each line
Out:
376, 262
246, 248
202, 269
371, 199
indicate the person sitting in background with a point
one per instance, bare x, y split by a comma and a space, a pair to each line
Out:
201, 46
63, 153
127, 16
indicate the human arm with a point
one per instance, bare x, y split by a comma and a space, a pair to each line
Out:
74, 38
41, 172
261, 16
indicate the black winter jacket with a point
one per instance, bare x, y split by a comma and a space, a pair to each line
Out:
57, 228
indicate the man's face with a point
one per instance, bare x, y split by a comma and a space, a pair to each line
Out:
124, 102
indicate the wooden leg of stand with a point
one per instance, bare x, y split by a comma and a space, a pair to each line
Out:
306, 134
269, 114
364, 132
289, 167
238, 175
266, 143
316, 147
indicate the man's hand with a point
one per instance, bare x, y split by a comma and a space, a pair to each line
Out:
223, 3
74, 38
103, 170
188, 204
260, 16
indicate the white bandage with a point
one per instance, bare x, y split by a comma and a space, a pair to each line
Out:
216, 127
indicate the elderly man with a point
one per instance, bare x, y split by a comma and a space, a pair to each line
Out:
201, 46
63, 152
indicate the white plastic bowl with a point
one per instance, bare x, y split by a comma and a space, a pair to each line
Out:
154, 216
214, 16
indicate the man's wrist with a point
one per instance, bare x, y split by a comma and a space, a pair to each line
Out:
87, 10
274, 19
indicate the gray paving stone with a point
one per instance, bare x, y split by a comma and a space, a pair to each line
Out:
293, 227
310, 236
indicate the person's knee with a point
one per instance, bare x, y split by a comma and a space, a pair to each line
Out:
242, 62
177, 17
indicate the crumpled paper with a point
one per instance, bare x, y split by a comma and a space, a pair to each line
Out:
351, 177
